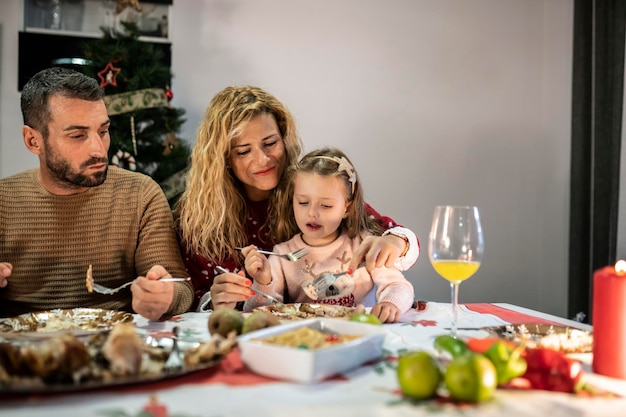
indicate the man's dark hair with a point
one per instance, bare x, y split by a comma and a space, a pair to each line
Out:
52, 81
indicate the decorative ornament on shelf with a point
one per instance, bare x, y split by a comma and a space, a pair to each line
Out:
123, 4
108, 76
170, 143
169, 93
131, 163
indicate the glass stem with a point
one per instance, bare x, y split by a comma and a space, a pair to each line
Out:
454, 292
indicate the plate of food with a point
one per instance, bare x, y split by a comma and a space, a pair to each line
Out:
563, 338
308, 351
78, 321
299, 311
121, 356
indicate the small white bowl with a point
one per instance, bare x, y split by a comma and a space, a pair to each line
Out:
309, 366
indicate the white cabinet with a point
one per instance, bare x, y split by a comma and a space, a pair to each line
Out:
84, 18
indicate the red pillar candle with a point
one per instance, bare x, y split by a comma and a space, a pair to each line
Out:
609, 321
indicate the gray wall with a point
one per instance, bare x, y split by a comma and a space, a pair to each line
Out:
436, 102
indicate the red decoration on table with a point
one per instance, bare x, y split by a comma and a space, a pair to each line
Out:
424, 323
154, 408
108, 76
609, 321
550, 370
169, 93
505, 314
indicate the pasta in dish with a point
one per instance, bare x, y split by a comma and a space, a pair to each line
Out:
308, 338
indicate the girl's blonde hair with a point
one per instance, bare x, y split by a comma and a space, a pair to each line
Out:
325, 162
211, 213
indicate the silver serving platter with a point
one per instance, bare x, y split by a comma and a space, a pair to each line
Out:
562, 338
90, 326
78, 321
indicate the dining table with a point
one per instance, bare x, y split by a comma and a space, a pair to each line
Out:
230, 388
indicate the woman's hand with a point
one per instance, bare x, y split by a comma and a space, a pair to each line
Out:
386, 312
256, 265
152, 298
379, 251
5, 272
229, 288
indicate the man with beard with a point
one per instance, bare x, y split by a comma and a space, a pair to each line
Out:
75, 211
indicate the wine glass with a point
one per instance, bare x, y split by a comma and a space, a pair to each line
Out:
455, 248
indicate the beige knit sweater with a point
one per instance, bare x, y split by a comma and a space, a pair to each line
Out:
122, 227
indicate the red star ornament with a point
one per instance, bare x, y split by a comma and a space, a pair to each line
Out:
108, 76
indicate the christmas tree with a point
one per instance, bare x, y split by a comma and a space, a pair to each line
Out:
144, 126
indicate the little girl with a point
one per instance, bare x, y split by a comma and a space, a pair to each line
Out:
321, 209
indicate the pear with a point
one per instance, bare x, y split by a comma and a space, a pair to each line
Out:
224, 320
259, 320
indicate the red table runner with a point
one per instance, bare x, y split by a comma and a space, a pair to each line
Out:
511, 316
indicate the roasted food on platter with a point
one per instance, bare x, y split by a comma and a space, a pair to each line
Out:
54, 360
206, 352
298, 311
308, 338
562, 338
77, 321
120, 356
123, 349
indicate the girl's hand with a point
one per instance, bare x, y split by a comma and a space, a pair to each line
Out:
229, 289
386, 312
379, 251
256, 265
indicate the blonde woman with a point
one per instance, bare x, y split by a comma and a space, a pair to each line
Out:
242, 148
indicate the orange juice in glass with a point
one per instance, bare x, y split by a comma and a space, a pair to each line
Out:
455, 248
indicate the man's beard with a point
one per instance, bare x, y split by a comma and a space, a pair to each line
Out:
65, 177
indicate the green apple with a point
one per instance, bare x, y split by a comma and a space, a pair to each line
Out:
365, 318
418, 374
224, 320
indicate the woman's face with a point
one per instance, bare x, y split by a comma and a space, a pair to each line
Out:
257, 156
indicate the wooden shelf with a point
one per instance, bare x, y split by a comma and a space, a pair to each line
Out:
85, 18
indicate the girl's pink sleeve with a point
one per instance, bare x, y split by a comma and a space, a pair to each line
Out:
393, 287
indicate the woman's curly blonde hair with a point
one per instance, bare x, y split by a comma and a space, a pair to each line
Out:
211, 213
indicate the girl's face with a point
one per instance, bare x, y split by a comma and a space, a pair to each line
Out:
257, 156
319, 206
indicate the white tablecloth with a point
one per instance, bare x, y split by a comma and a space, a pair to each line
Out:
229, 389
